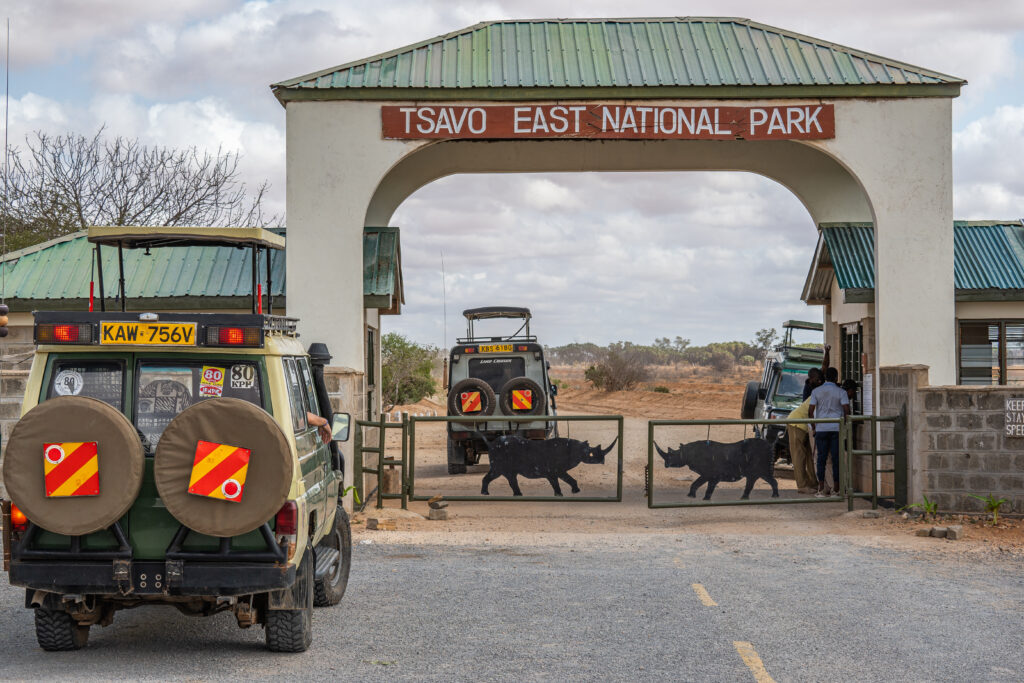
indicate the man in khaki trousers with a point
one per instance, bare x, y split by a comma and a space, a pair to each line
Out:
800, 450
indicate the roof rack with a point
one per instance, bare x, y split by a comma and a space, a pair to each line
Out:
490, 312
155, 237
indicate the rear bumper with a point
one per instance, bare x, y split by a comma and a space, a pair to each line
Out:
132, 579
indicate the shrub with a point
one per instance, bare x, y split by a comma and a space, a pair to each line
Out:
723, 361
661, 389
747, 360
619, 370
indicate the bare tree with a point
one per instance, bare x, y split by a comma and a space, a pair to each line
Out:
61, 184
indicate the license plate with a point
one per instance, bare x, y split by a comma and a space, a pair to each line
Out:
495, 348
148, 334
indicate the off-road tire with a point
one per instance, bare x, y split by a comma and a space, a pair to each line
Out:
539, 404
749, 406
56, 631
291, 630
456, 458
330, 590
487, 399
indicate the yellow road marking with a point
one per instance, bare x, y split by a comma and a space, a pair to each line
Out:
753, 661
702, 593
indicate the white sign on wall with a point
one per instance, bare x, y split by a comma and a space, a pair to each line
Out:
1015, 417
867, 394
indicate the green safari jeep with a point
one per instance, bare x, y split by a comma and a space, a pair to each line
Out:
176, 459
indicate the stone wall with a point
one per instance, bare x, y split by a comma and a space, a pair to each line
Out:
965, 450
347, 390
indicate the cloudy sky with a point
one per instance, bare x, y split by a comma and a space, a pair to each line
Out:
625, 256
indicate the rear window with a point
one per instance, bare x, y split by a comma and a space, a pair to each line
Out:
103, 380
164, 389
497, 371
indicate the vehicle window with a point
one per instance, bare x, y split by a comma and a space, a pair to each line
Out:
497, 371
791, 383
103, 380
307, 383
165, 388
298, 407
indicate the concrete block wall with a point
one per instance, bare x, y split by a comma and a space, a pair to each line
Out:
965, 449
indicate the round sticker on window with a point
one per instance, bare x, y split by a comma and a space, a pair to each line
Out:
68, 383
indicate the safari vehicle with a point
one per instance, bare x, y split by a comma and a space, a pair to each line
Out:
781, 387
172, 459
505, 377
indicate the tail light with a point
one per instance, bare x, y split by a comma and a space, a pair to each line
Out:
218, 335
287, 521
64, 333
19, 522
286, 526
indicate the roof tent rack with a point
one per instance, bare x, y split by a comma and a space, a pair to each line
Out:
155, 237
491, 312
802, 325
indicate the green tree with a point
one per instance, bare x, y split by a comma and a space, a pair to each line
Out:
763, 340
405, 370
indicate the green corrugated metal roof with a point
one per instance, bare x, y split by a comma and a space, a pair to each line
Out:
673, 52
988, 255
188, 277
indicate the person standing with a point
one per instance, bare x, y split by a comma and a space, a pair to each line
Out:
828, 401
815, 376
800, 450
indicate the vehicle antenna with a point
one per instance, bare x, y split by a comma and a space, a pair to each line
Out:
444, 305
7, 213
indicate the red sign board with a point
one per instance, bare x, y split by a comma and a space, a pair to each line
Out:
609, 121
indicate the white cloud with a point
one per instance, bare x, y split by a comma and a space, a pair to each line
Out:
987, 153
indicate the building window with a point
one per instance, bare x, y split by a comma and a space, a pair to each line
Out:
992, 352
850, 350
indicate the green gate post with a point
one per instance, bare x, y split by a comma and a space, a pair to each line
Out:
357, 466
874, 462
899, 458
650, 465
381, 437
405, 461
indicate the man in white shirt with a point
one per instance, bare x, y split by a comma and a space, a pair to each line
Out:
828, 400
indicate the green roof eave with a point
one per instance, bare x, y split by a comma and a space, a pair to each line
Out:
717, 92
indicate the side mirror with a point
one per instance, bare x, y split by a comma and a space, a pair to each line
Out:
340, 426
554, 390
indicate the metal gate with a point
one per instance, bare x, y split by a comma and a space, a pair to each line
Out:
411, 475
847, 452
380, 450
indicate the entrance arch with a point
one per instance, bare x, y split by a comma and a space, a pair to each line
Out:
888, 158
825, 188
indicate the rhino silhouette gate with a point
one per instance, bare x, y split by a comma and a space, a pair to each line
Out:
752, 459
511, 457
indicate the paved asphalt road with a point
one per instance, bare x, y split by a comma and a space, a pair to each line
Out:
812, 608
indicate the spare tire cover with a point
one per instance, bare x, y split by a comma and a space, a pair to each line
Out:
74, 419
537, 404
471, 384
232, 422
